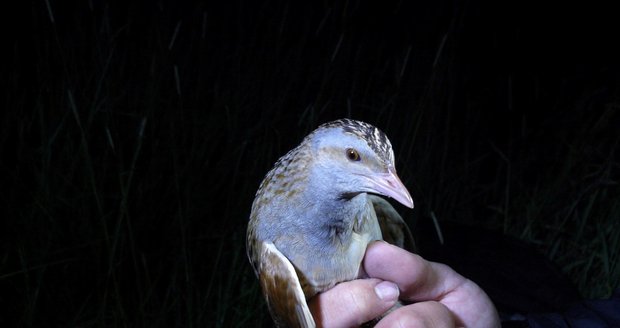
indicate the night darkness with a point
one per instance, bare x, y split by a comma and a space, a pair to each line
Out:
134, 137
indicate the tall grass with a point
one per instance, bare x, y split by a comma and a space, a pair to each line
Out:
135, 137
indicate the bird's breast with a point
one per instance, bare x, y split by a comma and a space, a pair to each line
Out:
336, 256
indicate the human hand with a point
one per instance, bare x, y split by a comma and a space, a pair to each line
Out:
442, 297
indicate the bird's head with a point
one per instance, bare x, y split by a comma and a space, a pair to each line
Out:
353, 157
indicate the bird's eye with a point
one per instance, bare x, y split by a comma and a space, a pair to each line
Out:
353, 155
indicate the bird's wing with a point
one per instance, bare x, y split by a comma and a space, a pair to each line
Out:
282, 290
393, 228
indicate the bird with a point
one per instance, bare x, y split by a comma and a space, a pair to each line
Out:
316, 211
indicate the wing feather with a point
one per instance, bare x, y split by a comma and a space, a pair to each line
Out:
393, 228
282, 289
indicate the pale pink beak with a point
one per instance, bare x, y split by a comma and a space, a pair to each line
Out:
388, 184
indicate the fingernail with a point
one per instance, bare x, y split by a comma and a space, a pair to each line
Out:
387, 291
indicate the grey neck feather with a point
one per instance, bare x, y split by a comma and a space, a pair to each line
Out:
334, 215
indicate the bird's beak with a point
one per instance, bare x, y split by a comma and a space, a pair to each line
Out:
388, 184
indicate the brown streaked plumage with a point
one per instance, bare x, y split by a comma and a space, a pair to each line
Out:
315, 213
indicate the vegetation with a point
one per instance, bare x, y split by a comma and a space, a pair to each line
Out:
135, 136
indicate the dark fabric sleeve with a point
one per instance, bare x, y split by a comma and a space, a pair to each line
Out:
595, 313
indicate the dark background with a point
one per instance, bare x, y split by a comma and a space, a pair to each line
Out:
134, 136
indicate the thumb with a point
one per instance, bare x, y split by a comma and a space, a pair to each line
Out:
353, 303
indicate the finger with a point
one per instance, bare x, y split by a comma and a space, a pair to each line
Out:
354, 302
418, 279
423, 315
421, 280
